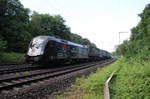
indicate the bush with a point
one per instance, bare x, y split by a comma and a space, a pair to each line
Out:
139, 50
132, 81
3, 45
11, 57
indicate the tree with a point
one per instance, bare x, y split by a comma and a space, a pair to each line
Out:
85, 41
78, 39
13, 23
140, 37
92, 44
2, 45
17, 27
45, 24
145, 21
142, 30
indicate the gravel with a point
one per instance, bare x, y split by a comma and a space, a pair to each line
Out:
47, 88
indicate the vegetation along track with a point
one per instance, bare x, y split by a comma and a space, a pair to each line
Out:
9, 82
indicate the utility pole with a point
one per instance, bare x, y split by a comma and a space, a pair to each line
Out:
119, 36
120, 41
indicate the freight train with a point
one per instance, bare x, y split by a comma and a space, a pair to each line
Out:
48, 49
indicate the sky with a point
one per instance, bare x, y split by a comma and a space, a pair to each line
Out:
98, 20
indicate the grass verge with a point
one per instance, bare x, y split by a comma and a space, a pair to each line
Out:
11, 57
132, 82
90, 87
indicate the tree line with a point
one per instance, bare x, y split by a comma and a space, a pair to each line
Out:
18, 25
140, 37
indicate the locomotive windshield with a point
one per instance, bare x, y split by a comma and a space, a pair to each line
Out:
37, 42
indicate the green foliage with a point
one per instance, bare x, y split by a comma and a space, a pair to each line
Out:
95, 82
18, 28
122, 48
139, 48
13, 23
2, 45
91, 87
78, 39
92, 44
11, 57
142, 30
45, 24
132, 81
140, 37
136, 48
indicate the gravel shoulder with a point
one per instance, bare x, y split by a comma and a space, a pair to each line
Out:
47, 88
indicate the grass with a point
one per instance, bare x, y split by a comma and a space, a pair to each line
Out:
90, 87
132, 82
26, 73
11, 57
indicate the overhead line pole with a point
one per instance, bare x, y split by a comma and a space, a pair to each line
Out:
119, 35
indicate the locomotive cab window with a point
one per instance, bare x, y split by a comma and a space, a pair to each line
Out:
36, 43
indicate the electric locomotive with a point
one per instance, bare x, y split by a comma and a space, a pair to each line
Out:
48, 49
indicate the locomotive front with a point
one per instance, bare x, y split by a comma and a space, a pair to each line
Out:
36, 49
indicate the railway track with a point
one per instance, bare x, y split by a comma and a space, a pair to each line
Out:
17, 68
9, 82
10, 64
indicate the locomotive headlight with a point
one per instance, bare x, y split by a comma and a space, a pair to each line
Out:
33, 51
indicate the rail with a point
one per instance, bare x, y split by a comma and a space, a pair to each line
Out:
106, 87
